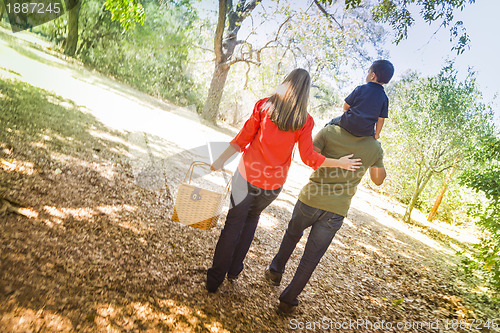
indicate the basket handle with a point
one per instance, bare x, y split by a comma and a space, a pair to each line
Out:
200, 163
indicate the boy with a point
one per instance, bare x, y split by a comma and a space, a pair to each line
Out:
368, 104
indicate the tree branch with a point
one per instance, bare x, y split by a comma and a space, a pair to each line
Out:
328, 15
219, 31
443, 169
247, 76
190, 44
275, 40
237, 16
250, 61
7, 205
248, 7
321, 105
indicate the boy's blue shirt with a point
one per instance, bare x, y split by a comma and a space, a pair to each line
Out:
367, 103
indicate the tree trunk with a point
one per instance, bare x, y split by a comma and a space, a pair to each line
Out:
441, 193
2, 11
224, 49
72, 39
211, 107
421, 183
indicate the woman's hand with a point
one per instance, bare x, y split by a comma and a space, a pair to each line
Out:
349, 163
345, 162
217, 165
219, 162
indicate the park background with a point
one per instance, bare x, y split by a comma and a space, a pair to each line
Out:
441, 142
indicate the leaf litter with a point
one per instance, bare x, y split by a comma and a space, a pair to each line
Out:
95, 252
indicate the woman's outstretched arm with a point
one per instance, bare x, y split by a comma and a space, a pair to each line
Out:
226, 154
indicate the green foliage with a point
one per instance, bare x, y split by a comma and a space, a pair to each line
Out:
325, 45
151, 58
351, 3
328, 45
484, 177
348, 3
323, 100
434, 121
397, 13
127, 12
444, 113
55, 30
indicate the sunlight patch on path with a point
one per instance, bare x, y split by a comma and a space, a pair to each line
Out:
30, 320
368, 201
120, 107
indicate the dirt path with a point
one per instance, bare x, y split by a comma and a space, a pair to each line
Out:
97, 252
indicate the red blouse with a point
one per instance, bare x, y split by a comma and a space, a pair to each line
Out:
267, 151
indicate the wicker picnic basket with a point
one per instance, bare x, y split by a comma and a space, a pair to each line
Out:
198, 207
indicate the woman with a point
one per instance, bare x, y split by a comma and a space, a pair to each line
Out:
267, 140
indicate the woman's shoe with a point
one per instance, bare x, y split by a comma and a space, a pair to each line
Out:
285, 308
272, 277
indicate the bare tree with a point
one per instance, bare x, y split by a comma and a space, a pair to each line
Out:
225, 43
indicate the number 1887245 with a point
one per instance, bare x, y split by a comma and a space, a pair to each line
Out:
33, 8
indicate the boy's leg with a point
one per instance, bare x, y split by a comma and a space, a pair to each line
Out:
334, 121
320, 237
303, 216
262, 199
241, 200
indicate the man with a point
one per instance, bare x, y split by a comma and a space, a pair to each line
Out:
322, 205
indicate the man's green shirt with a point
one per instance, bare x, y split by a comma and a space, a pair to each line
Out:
332, 189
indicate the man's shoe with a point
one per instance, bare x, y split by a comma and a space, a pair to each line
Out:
210, 289
285, 308
272, 277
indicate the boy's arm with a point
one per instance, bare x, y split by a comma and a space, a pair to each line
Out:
378, 127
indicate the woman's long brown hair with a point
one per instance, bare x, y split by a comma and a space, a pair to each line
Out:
288, 103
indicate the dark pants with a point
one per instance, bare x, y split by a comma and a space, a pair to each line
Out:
247, 202
323, 225
336, 121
